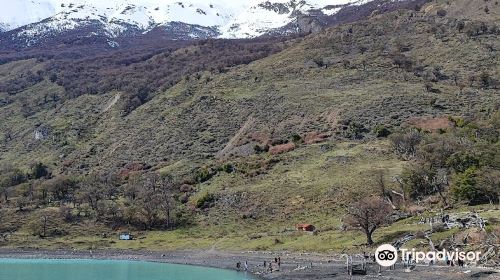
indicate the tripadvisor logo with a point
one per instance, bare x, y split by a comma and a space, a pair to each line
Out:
387, 255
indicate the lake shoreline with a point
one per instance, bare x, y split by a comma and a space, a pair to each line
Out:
293, 265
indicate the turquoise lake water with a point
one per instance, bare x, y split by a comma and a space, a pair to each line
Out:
13, 269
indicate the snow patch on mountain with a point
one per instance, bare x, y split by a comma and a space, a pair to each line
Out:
17, 13
233, 19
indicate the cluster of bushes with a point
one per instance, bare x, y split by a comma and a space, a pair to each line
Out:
11, 176
143, 74
474, 29
461, 163
137, 71
143, 201
21, 82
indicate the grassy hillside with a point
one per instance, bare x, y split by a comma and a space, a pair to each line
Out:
253, 149
312, 184
383, 71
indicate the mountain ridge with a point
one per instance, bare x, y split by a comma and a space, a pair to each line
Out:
146, 14
177, 20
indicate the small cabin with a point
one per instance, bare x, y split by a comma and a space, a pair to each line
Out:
126, 236
305, 227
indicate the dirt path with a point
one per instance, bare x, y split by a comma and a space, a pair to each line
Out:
112, 102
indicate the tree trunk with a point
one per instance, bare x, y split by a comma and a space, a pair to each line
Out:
443, 198
168, 218
369, 239
44, 226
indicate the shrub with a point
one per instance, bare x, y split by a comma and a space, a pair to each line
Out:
205, 201
296, 138
261, 149
420, 181
462, 161
318, 61
488, 182
463, 186
228, 168
459, 122
204, 174
10, 176
485, 79
436, 151
39, 170
403, 62
441, 12
405, 144
381, 131
430, 88
355, 131
475, 186
280, 149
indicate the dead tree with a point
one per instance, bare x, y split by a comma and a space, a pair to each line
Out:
367, 215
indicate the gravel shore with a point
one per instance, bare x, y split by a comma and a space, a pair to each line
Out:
293, 265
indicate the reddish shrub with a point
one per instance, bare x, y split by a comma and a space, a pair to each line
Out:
261, 137
279, 149
431, 124
185, 188
137, 166
314, 137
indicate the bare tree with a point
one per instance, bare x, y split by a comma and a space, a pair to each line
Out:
21, 203
91, 194
44, 220
402, 192
384, 192
367, 215
155, 201
166, 205
406, 144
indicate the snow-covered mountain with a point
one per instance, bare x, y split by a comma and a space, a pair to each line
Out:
27, 23
32, 20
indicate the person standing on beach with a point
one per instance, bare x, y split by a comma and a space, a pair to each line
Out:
246, 265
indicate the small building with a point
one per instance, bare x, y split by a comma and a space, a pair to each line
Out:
305, 227
126, 236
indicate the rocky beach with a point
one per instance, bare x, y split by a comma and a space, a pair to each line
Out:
293, 265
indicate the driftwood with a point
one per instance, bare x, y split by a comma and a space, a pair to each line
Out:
431, 244
402, 241
469, 220
399, 194
355, 269
489, 257
358, 269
